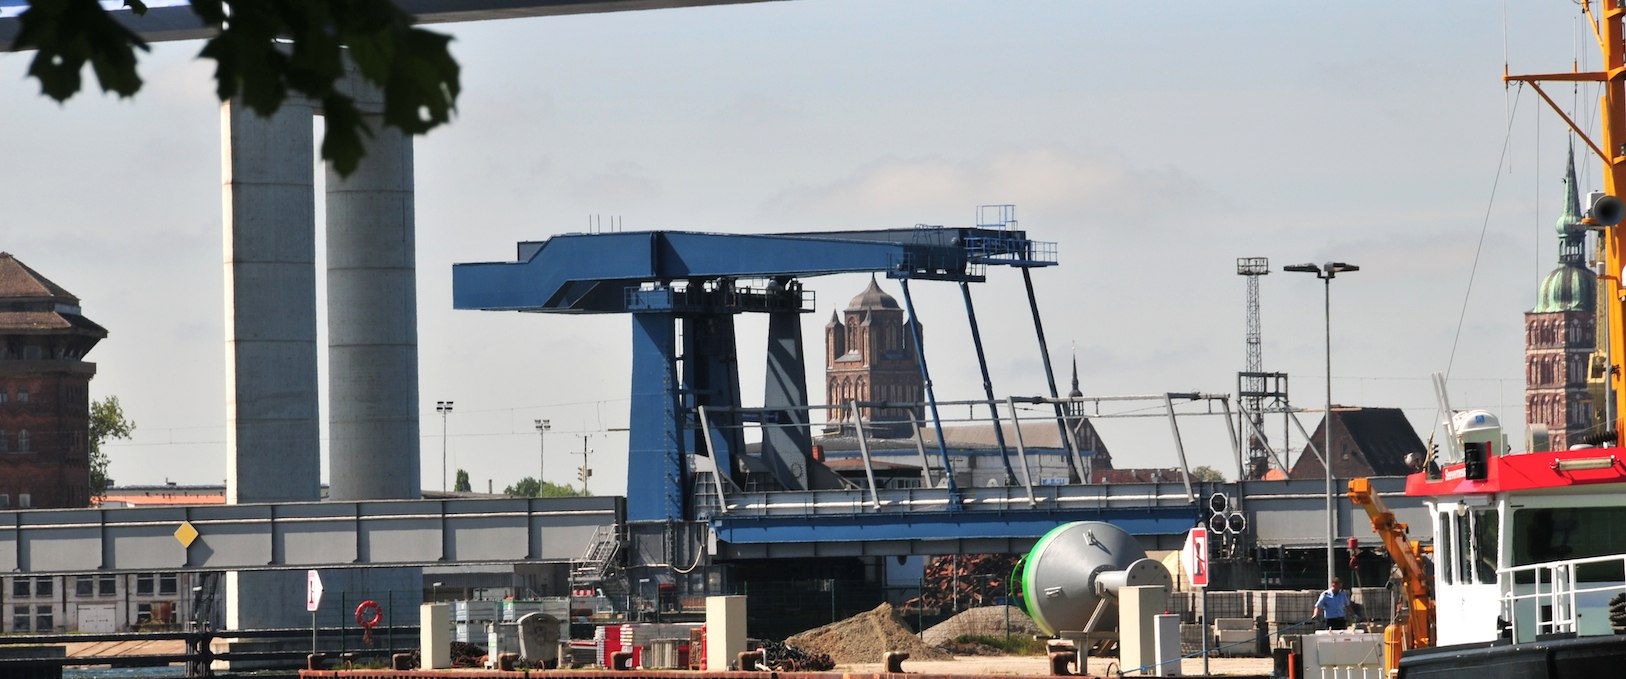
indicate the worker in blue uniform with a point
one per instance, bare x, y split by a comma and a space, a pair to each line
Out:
1333, 605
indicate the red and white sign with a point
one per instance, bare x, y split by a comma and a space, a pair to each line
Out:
313, 591
1194, 557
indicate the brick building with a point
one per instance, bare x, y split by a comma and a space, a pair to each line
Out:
44, 391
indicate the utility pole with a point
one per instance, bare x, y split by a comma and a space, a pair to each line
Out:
583, 472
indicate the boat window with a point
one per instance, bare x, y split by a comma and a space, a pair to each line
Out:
1464, 547
1443, 531
1485, 545
1563, 533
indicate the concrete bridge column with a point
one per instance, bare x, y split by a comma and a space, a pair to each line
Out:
272, 431
372, 321
372, 318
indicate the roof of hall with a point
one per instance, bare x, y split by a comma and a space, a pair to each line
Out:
19, 282
873, 297
30, 304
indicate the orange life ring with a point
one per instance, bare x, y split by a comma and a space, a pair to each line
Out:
369, 613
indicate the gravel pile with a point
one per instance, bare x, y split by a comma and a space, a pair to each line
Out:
984, 620
864, 637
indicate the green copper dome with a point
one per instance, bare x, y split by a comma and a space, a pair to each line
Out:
1567, 288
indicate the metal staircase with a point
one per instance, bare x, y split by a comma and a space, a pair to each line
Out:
599, 566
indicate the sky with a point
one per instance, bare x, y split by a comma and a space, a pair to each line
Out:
1155, 143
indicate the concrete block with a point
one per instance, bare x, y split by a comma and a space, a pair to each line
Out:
1137, 608
725, 630
435, 636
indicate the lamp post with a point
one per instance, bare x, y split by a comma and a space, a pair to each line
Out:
443, 407
1327, 272
542, 427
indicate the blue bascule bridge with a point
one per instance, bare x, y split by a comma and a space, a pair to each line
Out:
687, 499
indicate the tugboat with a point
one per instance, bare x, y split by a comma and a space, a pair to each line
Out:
1530, 548
1530, 560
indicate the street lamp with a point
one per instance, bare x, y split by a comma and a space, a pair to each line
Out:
542, 427
1327, 272
443, 407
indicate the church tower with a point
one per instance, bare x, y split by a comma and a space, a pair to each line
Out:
44, 391
1559, 334
869, 356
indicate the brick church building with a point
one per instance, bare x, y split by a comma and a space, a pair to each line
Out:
1560, 336
869, 355
44, 391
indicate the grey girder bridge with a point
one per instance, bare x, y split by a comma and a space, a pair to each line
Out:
303, 535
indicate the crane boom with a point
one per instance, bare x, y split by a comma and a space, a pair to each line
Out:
1416, 629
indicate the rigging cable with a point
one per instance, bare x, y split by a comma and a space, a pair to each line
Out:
1484, 226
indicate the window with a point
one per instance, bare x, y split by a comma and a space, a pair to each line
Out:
1443, 547
166, 583
20, 588
1485, 545
1562, 533
22, 441
24, 500
107, 585
22, 619
84, 586
22, 394
144, 584
44, 587
44, 620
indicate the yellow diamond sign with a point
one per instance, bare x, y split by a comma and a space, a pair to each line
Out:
186, 534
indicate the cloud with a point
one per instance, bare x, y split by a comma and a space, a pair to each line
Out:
1095, 186
617, 186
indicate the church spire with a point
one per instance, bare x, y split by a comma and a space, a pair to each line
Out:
1572, 233
1076, 391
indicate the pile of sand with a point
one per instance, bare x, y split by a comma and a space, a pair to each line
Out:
864, 637
984, 620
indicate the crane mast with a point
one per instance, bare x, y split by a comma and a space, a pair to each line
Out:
1417, 629
1606, 29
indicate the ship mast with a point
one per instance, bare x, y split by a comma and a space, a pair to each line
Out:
1607, 31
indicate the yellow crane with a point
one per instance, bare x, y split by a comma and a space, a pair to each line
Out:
1413, 626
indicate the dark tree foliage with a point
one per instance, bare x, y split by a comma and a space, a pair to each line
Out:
267, 51
107, 422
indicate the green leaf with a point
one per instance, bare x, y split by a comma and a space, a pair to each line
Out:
66, 35
422, 89
342, 144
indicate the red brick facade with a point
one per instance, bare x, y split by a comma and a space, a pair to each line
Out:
44, 392
1558, 352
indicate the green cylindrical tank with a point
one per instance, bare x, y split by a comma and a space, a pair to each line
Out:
1079, 566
